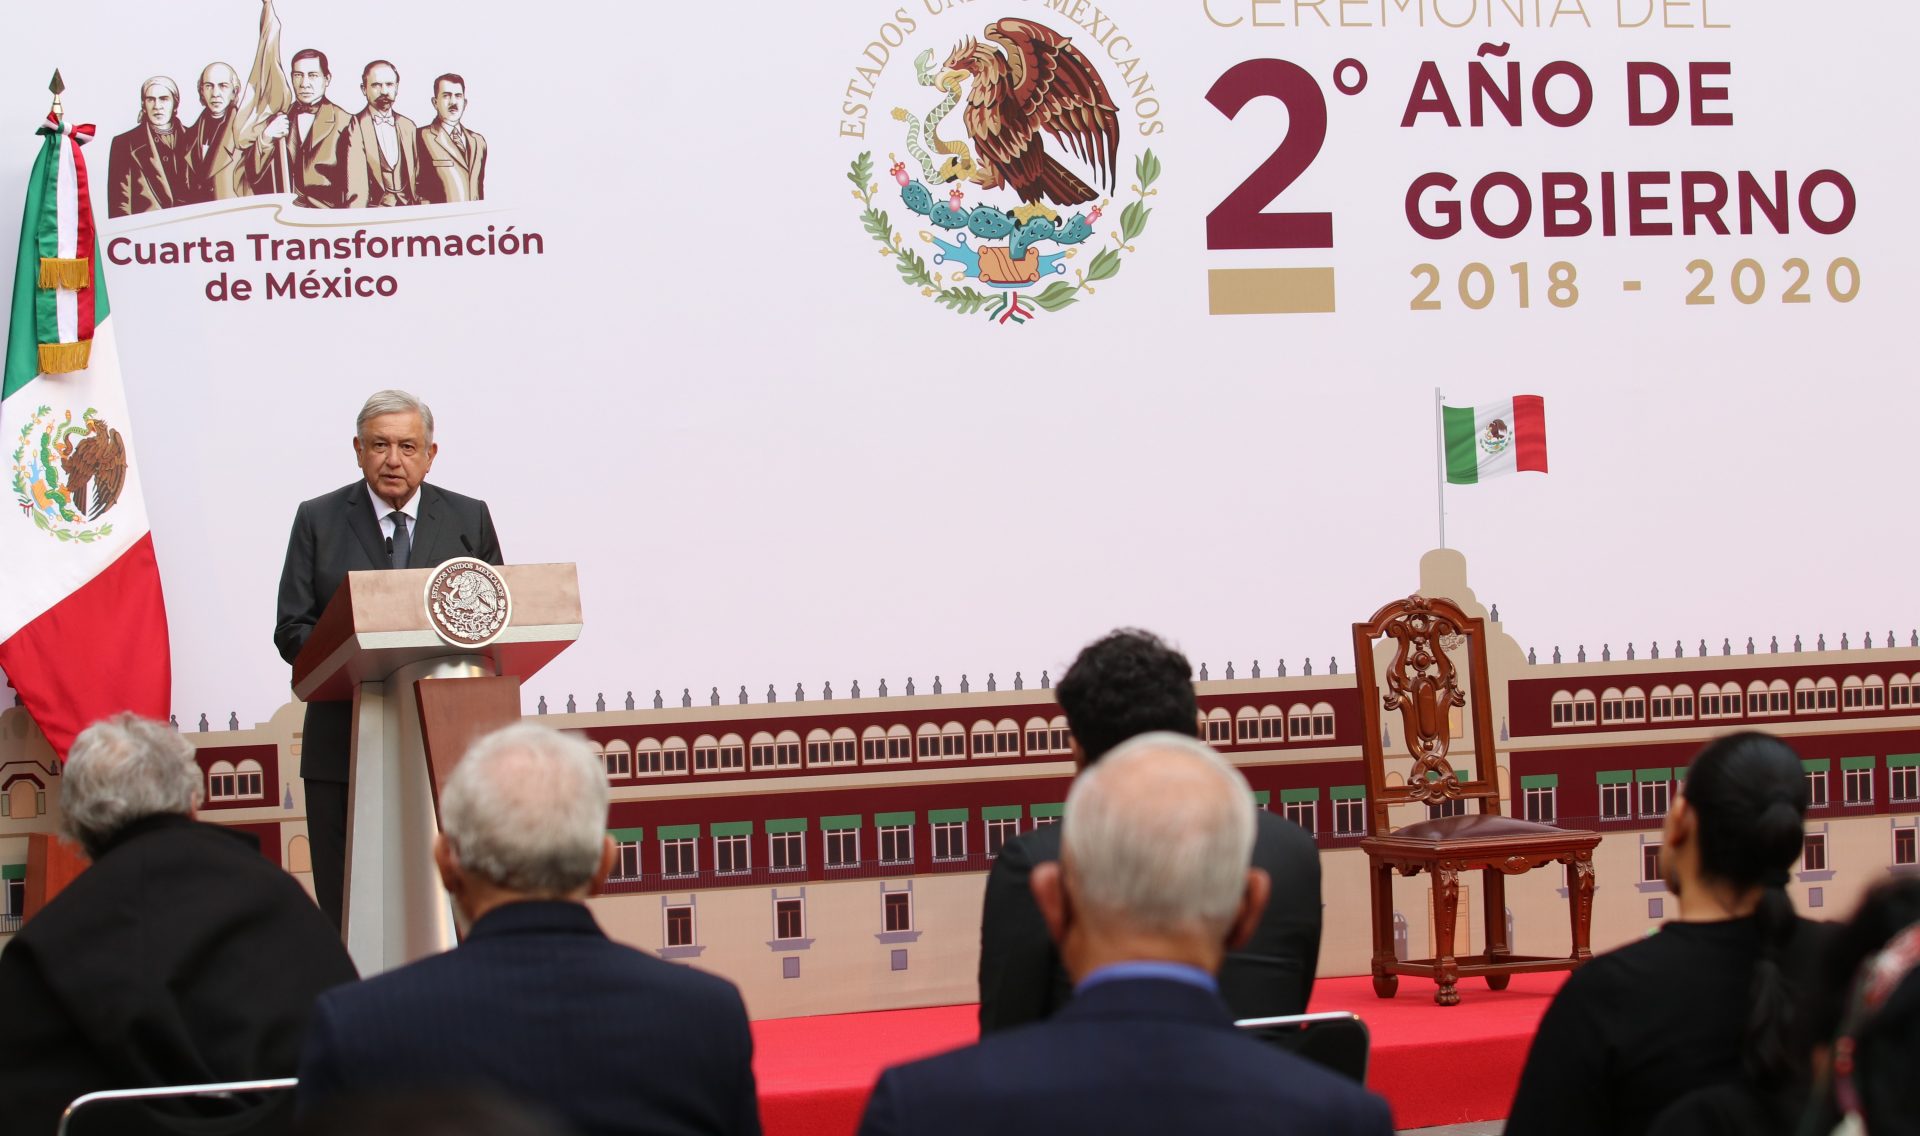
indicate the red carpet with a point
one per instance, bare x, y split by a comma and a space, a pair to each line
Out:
1434, 1065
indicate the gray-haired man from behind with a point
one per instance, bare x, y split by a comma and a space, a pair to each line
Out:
181, 956
1151, 890
537, 1003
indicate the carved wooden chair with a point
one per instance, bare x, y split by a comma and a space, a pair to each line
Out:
1423, 685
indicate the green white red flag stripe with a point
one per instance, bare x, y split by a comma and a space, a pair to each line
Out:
1496, 438
63, 240
83, 625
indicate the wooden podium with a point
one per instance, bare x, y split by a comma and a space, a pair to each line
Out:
418, 701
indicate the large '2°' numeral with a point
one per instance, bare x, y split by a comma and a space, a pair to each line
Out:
1237, 222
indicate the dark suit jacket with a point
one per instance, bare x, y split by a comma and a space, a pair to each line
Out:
143, 177
1129, 1056
538, 1004
180, 956
319, 159
1021, 979
446, 172
337, 533
366, 181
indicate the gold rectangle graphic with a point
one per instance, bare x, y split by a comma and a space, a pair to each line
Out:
1269, 291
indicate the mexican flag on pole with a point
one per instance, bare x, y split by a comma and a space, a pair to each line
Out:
1500, 437
83, 628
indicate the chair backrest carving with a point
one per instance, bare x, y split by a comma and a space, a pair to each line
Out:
1423, 684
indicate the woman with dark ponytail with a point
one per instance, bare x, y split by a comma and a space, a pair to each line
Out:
1704, 1008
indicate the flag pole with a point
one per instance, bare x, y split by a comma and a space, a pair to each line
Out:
1440, 459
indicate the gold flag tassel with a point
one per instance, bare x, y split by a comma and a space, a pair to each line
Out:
61, 358
70, 272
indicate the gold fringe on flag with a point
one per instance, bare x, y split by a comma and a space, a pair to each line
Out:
70, 272
60, 358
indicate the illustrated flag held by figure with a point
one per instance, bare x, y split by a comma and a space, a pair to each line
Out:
83, 627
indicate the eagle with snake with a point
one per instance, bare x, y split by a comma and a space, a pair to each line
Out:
1031, 79
98, 463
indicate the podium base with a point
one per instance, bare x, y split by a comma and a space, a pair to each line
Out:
396, 910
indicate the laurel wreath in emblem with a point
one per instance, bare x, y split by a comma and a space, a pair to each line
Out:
64, 484
468, 602
1001, 306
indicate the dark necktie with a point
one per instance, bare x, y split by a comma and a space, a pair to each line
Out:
402, 546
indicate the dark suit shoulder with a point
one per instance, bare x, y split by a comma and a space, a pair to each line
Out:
612, 968
1273, 826
1278, 841
1030, 848
429, 491
335, 498
1124, 1073
356, 493
180, 857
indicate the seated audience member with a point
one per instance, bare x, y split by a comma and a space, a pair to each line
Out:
1123, 685
537, 1003
1705, 1005
1151, 890
1870, 1007
179, 956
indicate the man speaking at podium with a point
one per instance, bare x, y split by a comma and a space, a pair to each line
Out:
388, 519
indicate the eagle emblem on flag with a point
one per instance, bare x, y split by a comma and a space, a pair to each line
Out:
67, 474
1496, 437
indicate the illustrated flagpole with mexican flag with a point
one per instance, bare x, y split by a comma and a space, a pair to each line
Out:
83, 626
1474, 443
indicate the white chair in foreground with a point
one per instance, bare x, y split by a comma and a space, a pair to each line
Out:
271, 1108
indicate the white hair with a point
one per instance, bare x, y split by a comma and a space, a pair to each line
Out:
165, 83
394, 402
1158, 836
120, 770
526, 810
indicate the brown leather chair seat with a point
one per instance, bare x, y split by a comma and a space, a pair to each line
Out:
1475, 826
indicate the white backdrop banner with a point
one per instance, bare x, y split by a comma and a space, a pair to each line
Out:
877, 340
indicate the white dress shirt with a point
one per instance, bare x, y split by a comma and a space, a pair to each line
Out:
388, 137
385, 512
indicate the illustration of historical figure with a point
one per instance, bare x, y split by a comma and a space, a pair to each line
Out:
223, 160
146, 166
453, 159
274, 130
310, 138
382, 145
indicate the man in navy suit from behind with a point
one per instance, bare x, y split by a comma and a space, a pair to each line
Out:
1127, 683
1151, 890
537, 1003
